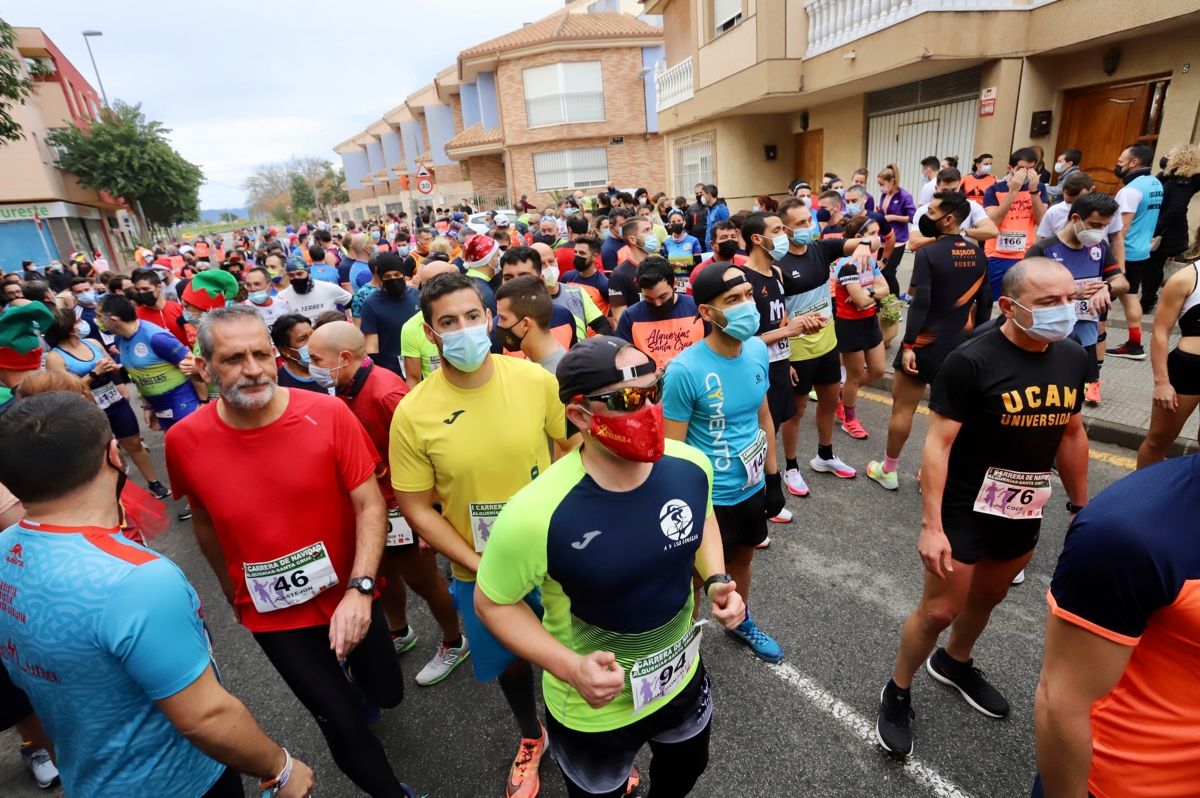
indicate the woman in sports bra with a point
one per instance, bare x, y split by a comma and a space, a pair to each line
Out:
87, 360
1177, 374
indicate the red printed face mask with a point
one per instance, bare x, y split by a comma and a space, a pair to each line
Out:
637, 436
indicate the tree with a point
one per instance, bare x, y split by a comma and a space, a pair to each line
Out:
268, 184
15, 86
303, 198
129, 157
228, 216
332, 188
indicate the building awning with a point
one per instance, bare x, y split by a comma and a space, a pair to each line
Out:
475, 141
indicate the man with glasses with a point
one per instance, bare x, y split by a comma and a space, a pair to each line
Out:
580, 529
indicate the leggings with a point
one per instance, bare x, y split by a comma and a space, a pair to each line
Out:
308, 666
889, 268
674, 769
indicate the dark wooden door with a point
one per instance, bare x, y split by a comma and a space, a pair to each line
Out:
810, 157
1100, 123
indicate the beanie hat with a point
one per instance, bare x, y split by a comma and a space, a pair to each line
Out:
21, 329
211, 288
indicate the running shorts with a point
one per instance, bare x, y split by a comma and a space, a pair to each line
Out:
742, 524
122, 420
929, 360
779, 392
1183, 372
824, 369
971, 538
858, 335
14, 704
489, 657
1134, 270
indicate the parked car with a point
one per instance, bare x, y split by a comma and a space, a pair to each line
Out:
479, 221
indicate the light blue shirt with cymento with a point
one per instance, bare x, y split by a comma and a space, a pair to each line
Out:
719, 397
95, 629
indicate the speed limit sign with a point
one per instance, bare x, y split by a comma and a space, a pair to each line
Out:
425, 185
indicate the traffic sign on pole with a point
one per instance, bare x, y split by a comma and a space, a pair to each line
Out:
424, 180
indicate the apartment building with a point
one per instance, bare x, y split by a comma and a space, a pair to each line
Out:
45, 214
562, 103
754, 93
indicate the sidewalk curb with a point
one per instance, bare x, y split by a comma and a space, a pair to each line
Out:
1098, 429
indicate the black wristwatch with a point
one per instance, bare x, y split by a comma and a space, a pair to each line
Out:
363, 584
715, 579
1073, 508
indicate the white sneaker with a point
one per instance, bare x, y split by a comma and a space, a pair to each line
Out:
37, 762
784, 517
444, 662
834, 465
405, 643
1019, 578
795, 482
766, 544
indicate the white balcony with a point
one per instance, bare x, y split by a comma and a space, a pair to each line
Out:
833, 23
673, 86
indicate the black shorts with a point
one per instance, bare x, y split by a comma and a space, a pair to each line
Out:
974, 535
743, 524
779, 392
824, 369
598, 763
1183, 372
1134, 270
14, 704
122, 420
858, 335
929, 360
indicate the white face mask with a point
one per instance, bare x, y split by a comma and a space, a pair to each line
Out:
985, 169
1059, 167
1089, 237
550, 275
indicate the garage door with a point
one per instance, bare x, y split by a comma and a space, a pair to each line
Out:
930, 117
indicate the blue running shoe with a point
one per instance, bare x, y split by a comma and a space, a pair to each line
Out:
761, 643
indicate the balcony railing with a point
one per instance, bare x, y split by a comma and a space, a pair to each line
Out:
833, 23
673, 86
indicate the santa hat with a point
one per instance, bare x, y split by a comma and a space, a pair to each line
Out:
479, 251
211, 288
21, 329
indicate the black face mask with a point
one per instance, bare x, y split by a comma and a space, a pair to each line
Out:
727, 249
301, 284
674, 229
698, 197
663, 310
1118, 171
928, 227
548, 240
1162, 162
395, 288
580, 263
510, 339
146, 298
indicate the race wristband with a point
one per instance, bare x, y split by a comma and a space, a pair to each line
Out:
273, 786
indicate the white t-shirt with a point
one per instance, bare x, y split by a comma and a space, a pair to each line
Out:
925, 195
1056, 217
321, 297
1128, 199
977, 215
269, 313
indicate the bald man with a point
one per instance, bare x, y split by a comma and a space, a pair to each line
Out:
338, 359
419, 355
1004, 412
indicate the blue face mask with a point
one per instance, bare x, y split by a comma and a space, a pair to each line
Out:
403, 249
741, 320
466, 349
605, 234
650, 243
1049, 324
86, 298
803, 236
853, 209
779, 246
259, 297
302, 356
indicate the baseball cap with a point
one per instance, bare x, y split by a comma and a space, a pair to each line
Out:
502, 220
592, 364
710, 283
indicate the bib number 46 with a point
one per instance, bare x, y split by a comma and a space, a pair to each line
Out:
296, 579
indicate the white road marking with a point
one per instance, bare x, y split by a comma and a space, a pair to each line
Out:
935, 783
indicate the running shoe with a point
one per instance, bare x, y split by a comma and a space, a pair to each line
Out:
1019, 578
635, 781
784, 517
795, 482
812, 395
875, 471
893, 727
523, 778
1091, 393
969, 681
37, 763
185, 513
1129, 350
160, 491
444, 661
855, 429
834, 465
766, 543
404, 643
761, 643
840, 413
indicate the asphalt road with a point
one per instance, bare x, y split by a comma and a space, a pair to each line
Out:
833, 588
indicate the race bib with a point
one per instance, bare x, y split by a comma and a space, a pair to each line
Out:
1011, 241
1018, 495
399, 532
290, 580
168, 413
106, 396
754, 458
657, 675
1083, 311
483, 516
682, 283
824, 307
778, 350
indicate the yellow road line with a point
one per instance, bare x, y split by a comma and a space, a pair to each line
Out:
1121, 461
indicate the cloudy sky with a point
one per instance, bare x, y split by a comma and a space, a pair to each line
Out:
246, 82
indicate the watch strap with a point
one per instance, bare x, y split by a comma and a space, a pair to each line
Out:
714, 579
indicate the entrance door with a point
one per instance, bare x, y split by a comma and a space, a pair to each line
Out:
1100, 122
810, 157
906, 137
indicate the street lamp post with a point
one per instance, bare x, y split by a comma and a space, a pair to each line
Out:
87, 36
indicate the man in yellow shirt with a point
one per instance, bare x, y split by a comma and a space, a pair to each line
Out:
448, 443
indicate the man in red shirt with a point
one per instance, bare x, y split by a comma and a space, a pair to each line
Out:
338, 360
300, 574
154, 307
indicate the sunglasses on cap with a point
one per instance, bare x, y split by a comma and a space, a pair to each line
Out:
623, 400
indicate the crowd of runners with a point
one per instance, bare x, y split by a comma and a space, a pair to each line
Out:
592, 413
